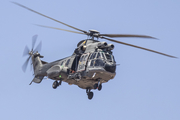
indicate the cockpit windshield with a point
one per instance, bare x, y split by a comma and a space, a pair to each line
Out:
102, 55
97, 62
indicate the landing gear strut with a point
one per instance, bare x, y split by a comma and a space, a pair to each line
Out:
89, 93
56, 84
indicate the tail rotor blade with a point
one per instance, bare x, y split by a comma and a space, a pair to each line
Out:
31, 67
34, 38
31, 53
25, 64
38, 48
26, 51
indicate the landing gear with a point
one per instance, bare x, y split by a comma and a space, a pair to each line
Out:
89, 93
56, 84
98, 86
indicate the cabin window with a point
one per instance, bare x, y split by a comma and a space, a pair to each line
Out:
67, 62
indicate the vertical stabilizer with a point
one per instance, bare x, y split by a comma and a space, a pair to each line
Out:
37, 64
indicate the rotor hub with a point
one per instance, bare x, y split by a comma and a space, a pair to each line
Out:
93, 33
31, 52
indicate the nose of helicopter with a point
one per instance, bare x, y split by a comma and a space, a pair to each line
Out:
110, 67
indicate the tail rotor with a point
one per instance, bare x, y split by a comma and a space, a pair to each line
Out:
29, 53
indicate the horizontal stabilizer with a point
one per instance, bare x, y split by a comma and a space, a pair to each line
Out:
37, 79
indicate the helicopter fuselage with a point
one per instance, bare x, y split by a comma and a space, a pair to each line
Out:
91, 63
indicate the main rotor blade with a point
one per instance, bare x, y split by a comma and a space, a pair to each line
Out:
61, 29
34, 38
127, 35
38, 48
48, 17
26, 51
138, 47
25, 64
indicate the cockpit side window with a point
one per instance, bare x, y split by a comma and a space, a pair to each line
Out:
92, 63
109, 57
113, 59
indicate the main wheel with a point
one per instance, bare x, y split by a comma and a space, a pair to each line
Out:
96, 86
100, 87
90, 95
55, 84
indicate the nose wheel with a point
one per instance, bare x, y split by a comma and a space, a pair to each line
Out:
89, 94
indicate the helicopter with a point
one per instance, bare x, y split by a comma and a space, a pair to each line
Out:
91, 64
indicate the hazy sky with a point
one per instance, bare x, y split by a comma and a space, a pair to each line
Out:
146, 86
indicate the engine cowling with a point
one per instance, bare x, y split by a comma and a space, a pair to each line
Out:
110, 47
102, 45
